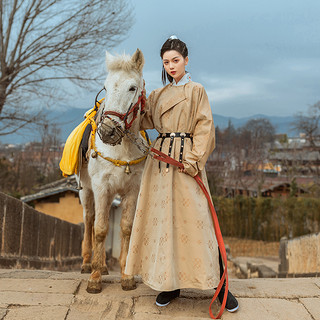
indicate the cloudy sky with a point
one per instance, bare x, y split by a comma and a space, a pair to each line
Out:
252, 56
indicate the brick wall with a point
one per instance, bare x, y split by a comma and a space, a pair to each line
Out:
30, 239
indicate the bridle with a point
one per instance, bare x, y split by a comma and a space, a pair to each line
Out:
133, 109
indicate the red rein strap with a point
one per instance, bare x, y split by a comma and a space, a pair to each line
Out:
165, 158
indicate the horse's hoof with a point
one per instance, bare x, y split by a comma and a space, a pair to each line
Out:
94, 287
104, 270
128, 284
86, 268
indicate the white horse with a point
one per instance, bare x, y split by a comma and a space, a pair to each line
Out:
102, 179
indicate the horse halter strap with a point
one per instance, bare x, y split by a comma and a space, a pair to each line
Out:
132, 109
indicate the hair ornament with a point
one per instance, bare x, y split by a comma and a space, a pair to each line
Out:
173, 37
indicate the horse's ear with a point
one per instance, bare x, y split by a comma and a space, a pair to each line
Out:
109, 57
138, 60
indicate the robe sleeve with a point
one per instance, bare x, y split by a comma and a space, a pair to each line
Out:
146, 121
203, 136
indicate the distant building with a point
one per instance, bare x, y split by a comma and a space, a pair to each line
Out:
268, 187
59, 199
296, 155
286, 159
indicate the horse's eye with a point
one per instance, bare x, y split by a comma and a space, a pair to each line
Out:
133, 88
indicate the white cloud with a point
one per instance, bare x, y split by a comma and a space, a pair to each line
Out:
226, 89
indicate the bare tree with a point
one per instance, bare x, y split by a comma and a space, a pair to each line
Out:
309, 123
246, 151
46, 43
262, 131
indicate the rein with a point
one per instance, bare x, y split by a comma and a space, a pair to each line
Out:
165, 158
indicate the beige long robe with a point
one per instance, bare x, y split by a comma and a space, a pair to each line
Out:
173, 244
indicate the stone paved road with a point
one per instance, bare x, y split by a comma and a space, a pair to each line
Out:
26, 294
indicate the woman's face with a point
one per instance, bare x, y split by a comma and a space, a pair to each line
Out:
174, 63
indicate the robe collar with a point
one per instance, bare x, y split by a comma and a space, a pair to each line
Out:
185, 79
179, 95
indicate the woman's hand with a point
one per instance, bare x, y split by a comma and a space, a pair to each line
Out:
189, 169
182, 170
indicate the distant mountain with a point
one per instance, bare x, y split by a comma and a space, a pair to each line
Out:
281, 124
67, 120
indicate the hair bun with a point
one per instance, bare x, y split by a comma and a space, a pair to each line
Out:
173, 37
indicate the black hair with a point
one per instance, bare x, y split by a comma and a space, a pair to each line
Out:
172, 44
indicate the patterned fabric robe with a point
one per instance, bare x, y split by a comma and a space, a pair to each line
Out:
173, 244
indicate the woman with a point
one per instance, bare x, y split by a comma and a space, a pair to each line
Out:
173, 244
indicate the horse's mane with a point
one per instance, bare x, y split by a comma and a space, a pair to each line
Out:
121, 62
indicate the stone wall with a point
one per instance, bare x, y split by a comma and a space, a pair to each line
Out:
300, 257
30, 239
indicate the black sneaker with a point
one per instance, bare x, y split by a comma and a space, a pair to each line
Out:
231, 303
165, 297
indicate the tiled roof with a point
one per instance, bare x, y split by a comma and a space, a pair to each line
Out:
50, 189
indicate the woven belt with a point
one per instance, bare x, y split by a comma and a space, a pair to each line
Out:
173, 135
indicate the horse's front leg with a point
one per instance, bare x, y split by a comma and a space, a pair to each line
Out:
87, 201
128, 211
101, 225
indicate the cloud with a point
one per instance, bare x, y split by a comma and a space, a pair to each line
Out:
227, 89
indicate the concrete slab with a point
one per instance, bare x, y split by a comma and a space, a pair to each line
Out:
111, 291
268, 309
192, 318
39, 313
24, 274
39, 285
90, 309
35, 299
69, 276
113, 277
180, 307
3, 312
145, 316
313, 306
274, 288
317, 282
270, 262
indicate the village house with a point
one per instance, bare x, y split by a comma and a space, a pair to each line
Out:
291, 167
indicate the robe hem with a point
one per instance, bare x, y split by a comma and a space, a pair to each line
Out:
180, 287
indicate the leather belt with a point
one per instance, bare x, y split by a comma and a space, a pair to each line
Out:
175, 135
172, 136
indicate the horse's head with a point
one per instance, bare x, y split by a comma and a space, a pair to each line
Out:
124, 97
